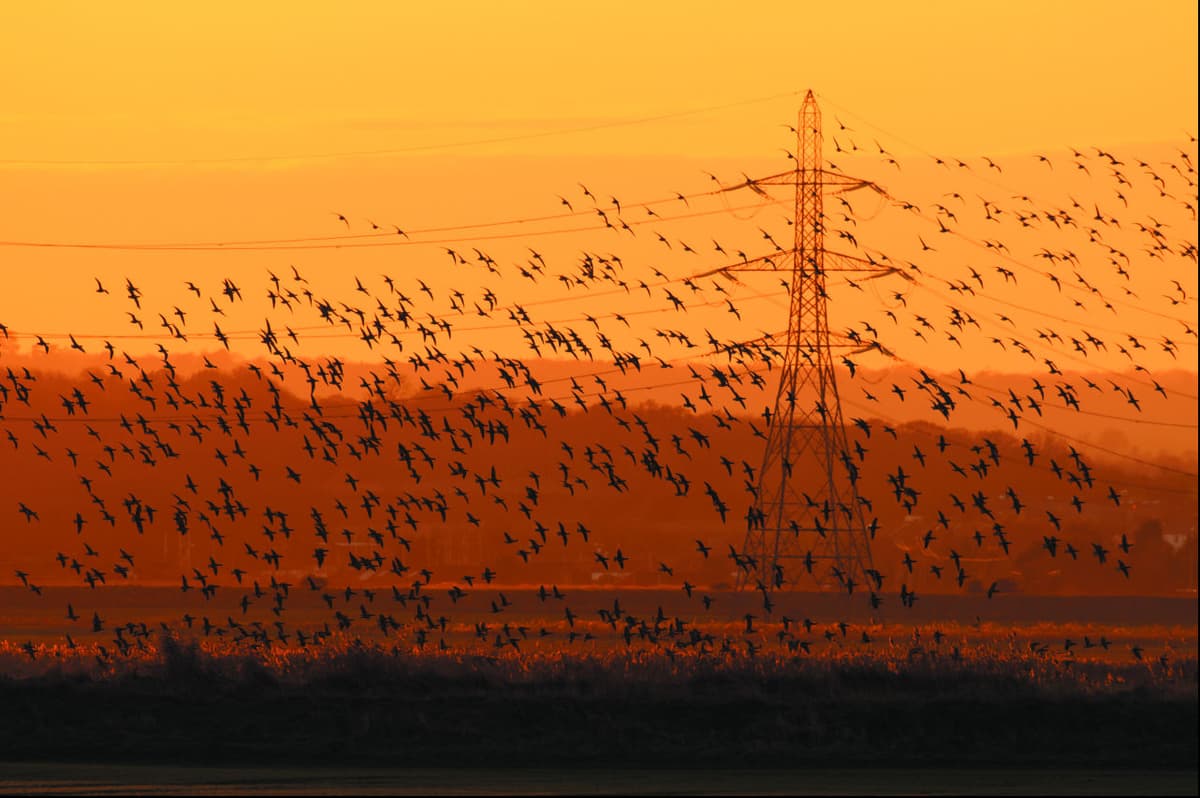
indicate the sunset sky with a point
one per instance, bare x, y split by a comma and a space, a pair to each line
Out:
357, 357
145, 81
140, 122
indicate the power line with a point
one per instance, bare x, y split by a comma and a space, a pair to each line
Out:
1123, 455
1050, 347
512, 306
646, 204
970, 239
910, 425
407, 150
392, 239
1081, 411
1009, 258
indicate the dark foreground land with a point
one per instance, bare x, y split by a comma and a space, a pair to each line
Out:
124, 779
369, 707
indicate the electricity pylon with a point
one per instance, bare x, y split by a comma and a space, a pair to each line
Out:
807, 520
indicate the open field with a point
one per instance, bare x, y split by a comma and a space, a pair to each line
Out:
977, 706
1045, 682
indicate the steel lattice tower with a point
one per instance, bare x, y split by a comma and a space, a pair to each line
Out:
807, 519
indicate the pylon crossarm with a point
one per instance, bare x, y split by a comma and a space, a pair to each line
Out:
752, 182
781, 262
889, 271
843, 342
752, 343
824, 270
835, 182
773, 264
873, 346
868, 264
846, 184
745, 265
759, 341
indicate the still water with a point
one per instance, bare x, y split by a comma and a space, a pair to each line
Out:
99, 779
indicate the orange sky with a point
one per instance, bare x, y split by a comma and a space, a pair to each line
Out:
141, 123
191, 94
144, 80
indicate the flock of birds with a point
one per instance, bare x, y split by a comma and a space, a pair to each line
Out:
260, 466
